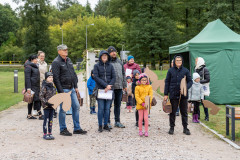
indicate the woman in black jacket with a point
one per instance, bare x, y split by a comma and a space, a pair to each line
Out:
104, 75
32, 83
204, 78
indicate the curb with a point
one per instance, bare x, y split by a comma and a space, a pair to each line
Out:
213, 131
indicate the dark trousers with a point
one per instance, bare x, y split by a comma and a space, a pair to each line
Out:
196, 107
117, 104
205, 111
183, 110
48, 120
37, 106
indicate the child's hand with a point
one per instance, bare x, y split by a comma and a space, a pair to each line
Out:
143, 104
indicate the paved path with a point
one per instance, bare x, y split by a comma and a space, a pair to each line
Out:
22, 139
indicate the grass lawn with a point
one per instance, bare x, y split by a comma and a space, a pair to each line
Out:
217, 122
7, 95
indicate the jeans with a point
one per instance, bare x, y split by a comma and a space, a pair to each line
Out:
48, 120
117, 104
103, 110
183, 109
75, 112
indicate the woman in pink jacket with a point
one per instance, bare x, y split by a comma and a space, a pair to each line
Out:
131, 65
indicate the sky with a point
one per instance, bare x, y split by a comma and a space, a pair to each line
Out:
83, 2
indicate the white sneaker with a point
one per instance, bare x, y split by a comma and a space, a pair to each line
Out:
34, 113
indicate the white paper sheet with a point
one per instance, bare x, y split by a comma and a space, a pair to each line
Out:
105, 95
128, 72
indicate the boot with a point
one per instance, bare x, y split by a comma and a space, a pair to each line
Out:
100, 129
93, 110
171, 131
186, 131
196, 116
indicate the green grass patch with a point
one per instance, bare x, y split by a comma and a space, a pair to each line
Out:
11, 68
7, 95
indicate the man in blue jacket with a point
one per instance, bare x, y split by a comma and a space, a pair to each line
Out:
172, 87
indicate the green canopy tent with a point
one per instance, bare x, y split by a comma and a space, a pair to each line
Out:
220, 48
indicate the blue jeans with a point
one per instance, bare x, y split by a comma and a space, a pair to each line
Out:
103, 110
75, 112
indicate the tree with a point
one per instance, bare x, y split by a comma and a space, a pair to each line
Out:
102, 8
88, 8
65, 4
8, 22
36, 22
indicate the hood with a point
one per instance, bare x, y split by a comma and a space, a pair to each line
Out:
30, 64
200, 63
177, 55
104, 52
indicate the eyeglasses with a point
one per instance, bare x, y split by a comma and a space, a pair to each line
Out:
143, 80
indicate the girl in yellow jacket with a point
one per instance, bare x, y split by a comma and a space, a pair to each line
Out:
142, 90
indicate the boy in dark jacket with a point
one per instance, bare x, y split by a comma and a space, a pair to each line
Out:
136, 74
47, 91
91, 85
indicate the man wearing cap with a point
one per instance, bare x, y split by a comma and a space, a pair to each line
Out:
65, 79
119, 85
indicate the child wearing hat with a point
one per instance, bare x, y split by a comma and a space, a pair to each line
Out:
195, 95
130, 94
47, 91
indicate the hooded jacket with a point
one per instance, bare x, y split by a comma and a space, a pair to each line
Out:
202, 71
32, 79
141, 92
90, 85
47, 91
120, 74
173, 80
104, 73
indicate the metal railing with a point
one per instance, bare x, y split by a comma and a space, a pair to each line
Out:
232, 116
10, 62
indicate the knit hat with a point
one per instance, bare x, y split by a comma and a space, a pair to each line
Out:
143, 75
130, 57
195, 76
128, 77
47, 74
135, 72
111, 49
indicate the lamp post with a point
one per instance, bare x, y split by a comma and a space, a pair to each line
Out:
86, 32
62, 33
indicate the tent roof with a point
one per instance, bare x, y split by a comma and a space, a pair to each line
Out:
216, 35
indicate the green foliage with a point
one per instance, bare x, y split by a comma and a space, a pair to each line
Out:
8, 22
88, 8
102, 7
65, 4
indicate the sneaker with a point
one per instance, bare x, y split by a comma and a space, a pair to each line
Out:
119, 125
91, 112
41, 117
35, 113
106, 128
109, 126
51, 136
46, 137
206, 119
65, 132
80, 132
171, 131
186, 131
140, 133
146, 134
128, 111
31, 117
100, 129
94, 112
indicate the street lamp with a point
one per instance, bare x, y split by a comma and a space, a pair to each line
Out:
62, 33
86, 32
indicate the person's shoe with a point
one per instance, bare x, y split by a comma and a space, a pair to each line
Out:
171, 131
110, 126
41, 117
177, 113
100, 129
80, 131
119, 125
106, 128
46, 137
93, 111
196, 118
65, 132
31, 117
140, 133
136, 124
35, 113
206, 119
186, 131
51, 136
146, 134
55, 115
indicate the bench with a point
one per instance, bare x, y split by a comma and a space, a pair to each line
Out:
234, 115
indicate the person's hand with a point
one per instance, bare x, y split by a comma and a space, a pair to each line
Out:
125, 89
109, 87
29, 91
106, 90
143, 104
76, 89
165, 98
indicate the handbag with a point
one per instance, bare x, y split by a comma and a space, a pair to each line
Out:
124, 97
154, 102
80, 99
28, 97
190, 107
167, 107
206, 87
105, 95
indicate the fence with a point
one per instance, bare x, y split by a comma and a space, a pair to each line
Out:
10, 62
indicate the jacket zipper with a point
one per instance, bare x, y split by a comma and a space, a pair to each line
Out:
105, 73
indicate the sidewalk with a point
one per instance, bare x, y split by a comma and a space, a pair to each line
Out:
22, 139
